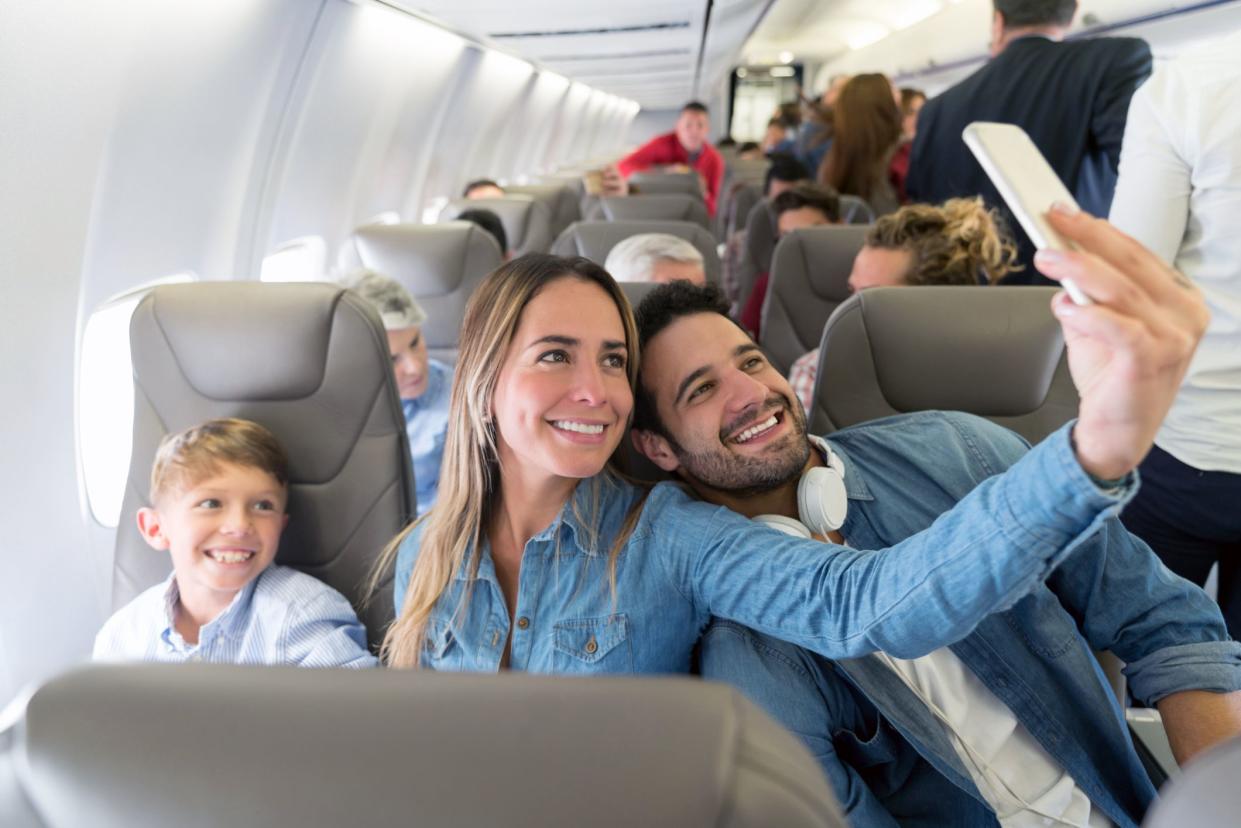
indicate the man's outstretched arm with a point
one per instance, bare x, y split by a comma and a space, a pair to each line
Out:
1197, 720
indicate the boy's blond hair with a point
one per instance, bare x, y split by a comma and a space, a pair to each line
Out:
192, 455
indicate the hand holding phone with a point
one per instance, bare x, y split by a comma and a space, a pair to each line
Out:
1027, 183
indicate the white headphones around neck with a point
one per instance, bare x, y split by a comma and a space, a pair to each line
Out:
822, 502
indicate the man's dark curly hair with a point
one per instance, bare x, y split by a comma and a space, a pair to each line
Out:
1018, 13
661, 307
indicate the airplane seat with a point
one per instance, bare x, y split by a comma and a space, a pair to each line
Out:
1206, 794
561, 200
809, 279
148, 745
995, 352
666, 183
855, 210
595, 240
440, 264
310, 362
663, 207
752, 171
736, 211
759, 246
527, 222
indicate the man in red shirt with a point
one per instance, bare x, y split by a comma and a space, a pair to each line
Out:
686, 146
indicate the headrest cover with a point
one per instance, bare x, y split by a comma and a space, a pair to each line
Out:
429, 261
282, 329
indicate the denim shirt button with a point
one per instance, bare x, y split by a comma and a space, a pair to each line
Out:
523, 623
592, 645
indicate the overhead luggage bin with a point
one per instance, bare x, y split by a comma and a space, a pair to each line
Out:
190, 745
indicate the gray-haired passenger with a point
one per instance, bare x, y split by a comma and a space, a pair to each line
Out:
424, 384
655, 257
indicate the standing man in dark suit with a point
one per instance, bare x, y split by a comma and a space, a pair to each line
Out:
1072, 98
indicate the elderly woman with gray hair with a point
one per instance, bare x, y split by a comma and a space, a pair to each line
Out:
655, 257
424, 384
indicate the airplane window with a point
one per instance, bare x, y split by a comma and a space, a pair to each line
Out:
106, 401
386, 217
298, 260
432, 213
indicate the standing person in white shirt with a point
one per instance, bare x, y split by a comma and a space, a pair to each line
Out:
1179, 193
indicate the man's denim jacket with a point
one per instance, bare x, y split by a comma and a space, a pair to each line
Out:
1111, 593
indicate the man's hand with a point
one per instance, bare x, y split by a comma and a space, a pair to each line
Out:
1129, 351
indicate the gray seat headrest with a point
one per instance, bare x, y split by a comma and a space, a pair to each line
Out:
854, 210
308, 361
760, 245
664, 207
809, 279
561, 200
208, 745
527, 222
660, 183
440, 264
997, 352
595, 240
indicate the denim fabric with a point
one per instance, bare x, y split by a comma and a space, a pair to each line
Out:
687, 561
1110, 593
426, 424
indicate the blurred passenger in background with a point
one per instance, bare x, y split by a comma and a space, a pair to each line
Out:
814, 137
783, 173
750, 151
802, 205
489, 221
958, 243
422, 383
1179, 193
1070, 96
483, 188
655, 257
867, 127
685, 146
911, 104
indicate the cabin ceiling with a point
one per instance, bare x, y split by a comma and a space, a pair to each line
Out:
659, 53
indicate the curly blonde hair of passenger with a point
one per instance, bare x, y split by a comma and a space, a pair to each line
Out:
470, 472
959, 242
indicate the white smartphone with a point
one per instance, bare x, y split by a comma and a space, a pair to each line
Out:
1026, 181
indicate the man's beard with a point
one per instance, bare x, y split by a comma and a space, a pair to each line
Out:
743, 476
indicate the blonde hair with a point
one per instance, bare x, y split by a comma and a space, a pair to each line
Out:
192, 455
470, 471
960, 242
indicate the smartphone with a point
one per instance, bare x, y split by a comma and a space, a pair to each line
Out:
593, 181
1026, 181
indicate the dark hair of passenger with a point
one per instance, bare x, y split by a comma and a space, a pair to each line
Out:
908, 96
790, 114
489, 221
1021, 13
748, 146
867, 128
659, 309
784, 167
806, 194
481, 182
695, 106
727, 142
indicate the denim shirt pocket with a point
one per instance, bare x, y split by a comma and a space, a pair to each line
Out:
876, 744
593, 645
440, 647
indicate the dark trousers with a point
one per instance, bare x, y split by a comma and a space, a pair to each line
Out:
1192, 519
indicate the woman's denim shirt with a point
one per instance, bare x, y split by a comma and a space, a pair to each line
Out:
426, 424
686, 561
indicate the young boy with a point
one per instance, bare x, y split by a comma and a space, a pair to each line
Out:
218, 492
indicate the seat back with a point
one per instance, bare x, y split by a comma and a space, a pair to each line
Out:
734, 209
308, 361
132, 746
440, 264
595, 240
760, 245
527, 222
809, 279
1206, 794
995, 352
854, 210
667, 183
665, 207
561, 201
752, 171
